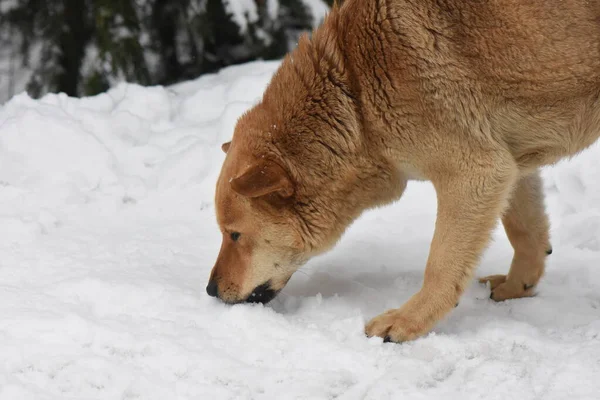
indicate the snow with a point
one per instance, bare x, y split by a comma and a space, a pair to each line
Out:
242, 12
318, 10
108, 235
7, 5
273, 8
13, 75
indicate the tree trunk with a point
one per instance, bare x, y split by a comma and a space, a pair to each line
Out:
72, 42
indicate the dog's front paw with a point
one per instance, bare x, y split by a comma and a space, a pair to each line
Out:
395, 326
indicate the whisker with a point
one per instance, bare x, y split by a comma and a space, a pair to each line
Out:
303, 272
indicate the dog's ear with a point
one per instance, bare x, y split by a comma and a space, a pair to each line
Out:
262, 178
225, 147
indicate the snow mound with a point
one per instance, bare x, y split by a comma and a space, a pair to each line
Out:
108, 235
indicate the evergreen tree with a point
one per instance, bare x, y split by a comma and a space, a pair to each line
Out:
60, 54
167, 17
116, 50
82, 47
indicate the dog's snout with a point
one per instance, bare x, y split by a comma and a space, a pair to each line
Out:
212, 289
262, 294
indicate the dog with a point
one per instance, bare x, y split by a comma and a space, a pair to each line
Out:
472, 96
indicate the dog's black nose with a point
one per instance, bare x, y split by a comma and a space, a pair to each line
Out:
262, 294
212, 289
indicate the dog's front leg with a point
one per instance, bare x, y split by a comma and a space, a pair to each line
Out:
470, 202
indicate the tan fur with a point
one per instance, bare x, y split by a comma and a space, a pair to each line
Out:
474, 96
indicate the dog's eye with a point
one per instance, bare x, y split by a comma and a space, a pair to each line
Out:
235, 236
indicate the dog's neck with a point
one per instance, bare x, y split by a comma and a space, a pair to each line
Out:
314, 74
310, 105
311, 120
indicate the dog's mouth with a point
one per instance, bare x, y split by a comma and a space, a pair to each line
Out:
262, 294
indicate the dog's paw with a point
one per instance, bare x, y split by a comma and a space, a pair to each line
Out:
494, 280
395, 326
505, 290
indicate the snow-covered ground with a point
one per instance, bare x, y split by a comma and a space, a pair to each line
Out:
108, 235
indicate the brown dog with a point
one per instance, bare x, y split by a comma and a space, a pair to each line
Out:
473, 96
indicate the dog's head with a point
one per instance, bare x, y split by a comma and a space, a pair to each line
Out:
261, 244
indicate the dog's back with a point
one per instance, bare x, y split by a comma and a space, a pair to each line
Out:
527, 70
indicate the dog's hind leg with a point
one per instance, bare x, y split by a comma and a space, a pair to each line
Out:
526, 225
471, 199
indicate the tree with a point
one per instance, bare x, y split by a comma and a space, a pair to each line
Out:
59, 55
82, 47
116, 49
